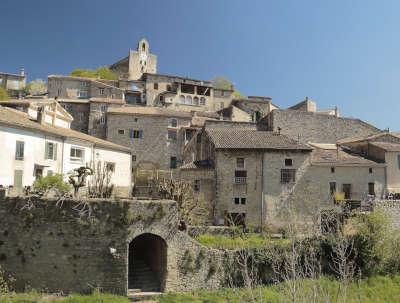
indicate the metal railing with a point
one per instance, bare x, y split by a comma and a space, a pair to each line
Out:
240, 180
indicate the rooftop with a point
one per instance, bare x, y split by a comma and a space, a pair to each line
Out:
387, 146
236, 138
15, 118
339, 157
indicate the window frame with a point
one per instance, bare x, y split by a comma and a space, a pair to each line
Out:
53, 156
288, 176
237, 163
76, 159
19, 152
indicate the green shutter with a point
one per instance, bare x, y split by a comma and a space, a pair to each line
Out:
46, 150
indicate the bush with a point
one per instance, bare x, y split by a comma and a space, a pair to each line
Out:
55, 181
102, 72
3, 94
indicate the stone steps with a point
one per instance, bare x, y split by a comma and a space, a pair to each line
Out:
143, 279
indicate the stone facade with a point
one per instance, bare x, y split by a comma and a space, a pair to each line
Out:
82, 253
159, 141
13, 83
315, 127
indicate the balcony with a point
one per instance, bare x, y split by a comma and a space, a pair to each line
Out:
240, 180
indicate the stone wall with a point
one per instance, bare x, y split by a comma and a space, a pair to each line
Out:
52, 246
80, 113
313, 127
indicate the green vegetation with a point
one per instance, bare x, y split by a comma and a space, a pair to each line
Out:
3, 94
224, 83
250, 240
102, 72
36, 297
55, 181
36, 88
371, 290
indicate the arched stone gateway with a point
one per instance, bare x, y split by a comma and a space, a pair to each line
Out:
147, 263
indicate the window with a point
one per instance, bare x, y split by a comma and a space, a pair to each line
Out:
121, 132
239, 162
161, 98
173, 123
332, 170
196, 100
84, 84
370, 170
332, 187
19, 150
202, 101
135, 134
288, 162
240, 177
189, 100
155, 85
77, 154
187, 88
110, 166
50, 151
82, 94
196, 185
103, 107
172, 135
346, 188
133, 158
102, 120
239, 200
169, 88
101, 91
188, 134
182, 99
288, 175
221, 105
173, 162
371, 189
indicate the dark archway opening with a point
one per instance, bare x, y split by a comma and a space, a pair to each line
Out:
147, 263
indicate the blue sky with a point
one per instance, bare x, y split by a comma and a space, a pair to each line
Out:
339, 53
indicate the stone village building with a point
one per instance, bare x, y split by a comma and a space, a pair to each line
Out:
13, 83
263, 178
39, 142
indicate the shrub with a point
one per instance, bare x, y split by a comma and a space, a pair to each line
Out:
3, 94
55, 181
102, 72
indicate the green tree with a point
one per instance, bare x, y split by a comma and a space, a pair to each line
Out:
36, 87
51, 182
3, 94
102, 72
224, 83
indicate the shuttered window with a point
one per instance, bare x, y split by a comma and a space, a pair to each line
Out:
51, 151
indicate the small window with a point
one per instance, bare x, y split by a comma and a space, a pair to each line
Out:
182, 99
346, 188
332, 187
155, 85
102, 120
121, 132
196, 185
173, 162
370, 170
169, 88
135, 134
371, 189
236, 200
133, 158
332, 170
101, 91
240, 173
196, 100
288, 175
239, 162
77, 154
202, 101
135, 119
50, 151
84, 84
19, 150
288, 162
161, 98
103, 107
173, 123
110, 166
172, 135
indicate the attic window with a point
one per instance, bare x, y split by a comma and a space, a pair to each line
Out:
370, 170
143, 46
288, 162
332, 170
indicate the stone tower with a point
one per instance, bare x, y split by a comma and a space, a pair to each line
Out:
137, 63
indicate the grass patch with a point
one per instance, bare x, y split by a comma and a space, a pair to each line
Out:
251, 240
371, 290
36, 297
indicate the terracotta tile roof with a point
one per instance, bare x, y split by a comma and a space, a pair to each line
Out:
387, 146
15, 118
149, 111
239, 138
359, 139
198, 165
339, 157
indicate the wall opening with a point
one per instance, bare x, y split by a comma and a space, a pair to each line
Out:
147, 263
